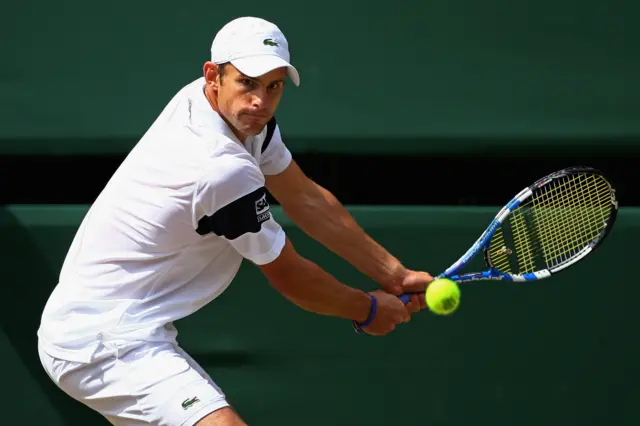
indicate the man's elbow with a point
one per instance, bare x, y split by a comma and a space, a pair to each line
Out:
301, 205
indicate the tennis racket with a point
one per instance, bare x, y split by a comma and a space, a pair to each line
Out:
543, 230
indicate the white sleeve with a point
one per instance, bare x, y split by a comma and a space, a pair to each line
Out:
230, 201
275, 154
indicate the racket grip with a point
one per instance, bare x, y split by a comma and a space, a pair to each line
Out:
405, 298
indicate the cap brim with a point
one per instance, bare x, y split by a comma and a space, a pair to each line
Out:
255, 66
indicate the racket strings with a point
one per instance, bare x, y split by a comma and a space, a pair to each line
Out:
570, 215
498, 252
524, 244
558, 222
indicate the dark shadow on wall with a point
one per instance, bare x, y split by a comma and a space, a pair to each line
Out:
27, 281
356, 179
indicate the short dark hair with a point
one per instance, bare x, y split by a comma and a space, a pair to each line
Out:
222, 69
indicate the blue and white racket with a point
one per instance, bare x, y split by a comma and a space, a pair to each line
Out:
546, 228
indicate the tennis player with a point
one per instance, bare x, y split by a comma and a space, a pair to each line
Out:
168, 233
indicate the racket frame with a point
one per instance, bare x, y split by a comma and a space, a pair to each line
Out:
484, 241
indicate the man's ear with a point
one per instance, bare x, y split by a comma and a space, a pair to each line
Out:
211, 75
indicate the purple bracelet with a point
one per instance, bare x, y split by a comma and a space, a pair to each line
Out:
374, 305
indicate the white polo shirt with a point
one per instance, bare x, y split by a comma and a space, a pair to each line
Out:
168, 233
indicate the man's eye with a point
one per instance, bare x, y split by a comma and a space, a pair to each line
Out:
246, 82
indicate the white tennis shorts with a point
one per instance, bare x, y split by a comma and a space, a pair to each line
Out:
139, 384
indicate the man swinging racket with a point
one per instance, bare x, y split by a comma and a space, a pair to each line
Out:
169, 231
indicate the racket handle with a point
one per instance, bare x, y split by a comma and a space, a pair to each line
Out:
405, 298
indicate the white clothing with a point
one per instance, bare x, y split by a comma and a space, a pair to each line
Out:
139, 384
164, 238
168, 233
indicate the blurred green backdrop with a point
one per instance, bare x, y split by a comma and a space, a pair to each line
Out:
85, 76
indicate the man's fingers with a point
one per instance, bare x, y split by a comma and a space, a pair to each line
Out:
414, 304
411, 307
396, 289
422, 301
403, 314
414, 286
416, 282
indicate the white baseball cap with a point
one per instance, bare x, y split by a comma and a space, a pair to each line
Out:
254, 46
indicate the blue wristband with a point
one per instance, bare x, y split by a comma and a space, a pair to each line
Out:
372, 314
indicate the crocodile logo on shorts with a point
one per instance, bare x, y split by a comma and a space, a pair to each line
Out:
189, 402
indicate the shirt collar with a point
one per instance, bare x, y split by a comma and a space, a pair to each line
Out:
203, 114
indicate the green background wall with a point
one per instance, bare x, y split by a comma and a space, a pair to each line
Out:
558, 352
84, 76
439, 77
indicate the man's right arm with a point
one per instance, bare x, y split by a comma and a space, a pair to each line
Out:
230, 201
312, 288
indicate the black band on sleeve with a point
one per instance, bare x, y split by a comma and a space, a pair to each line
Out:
271, 128
242, 216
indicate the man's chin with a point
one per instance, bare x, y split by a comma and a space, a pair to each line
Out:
253, 129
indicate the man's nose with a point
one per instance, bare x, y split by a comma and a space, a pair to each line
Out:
259, 98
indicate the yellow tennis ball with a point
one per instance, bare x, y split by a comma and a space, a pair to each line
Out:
443, 296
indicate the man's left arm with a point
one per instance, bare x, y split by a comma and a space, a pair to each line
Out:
321, 215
